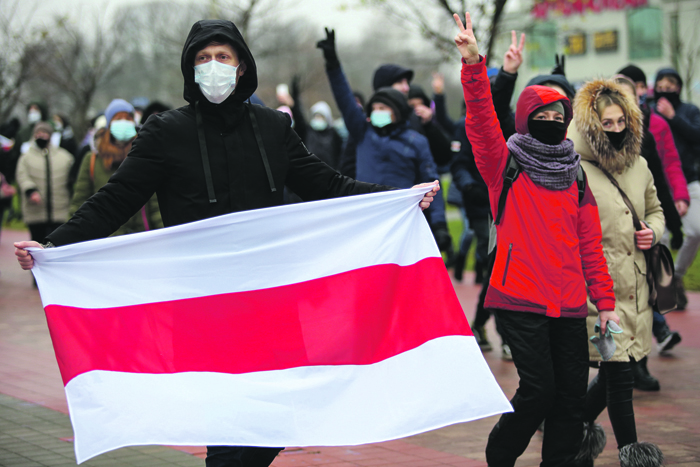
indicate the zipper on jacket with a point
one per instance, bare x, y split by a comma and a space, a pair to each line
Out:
505, 271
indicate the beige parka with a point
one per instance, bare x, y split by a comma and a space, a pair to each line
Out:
32, 175
626, 262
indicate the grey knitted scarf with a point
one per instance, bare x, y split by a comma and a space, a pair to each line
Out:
552, 166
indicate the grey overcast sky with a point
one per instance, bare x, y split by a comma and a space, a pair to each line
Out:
338, 14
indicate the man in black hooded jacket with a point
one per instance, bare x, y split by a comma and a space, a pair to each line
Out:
215, 156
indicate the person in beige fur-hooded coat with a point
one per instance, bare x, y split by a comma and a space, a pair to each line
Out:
608, 135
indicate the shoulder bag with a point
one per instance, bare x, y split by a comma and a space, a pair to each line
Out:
660, 269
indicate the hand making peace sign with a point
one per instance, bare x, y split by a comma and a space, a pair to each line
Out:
514, 56
465, 40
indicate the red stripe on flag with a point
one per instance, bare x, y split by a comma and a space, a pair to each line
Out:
357, 317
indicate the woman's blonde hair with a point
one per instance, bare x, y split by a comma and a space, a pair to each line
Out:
606, 99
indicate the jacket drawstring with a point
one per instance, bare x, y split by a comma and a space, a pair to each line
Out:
205, 154
261, 147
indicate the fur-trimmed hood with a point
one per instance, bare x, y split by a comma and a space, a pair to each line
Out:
591, 141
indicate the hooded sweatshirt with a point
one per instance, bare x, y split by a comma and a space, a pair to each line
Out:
327, 143
167, 157
549, 245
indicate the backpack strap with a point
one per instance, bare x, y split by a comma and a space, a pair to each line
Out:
581, 182
510, 174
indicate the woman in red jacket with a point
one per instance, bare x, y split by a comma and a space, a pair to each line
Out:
548, 251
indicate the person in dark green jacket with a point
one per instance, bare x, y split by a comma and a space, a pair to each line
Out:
113, 143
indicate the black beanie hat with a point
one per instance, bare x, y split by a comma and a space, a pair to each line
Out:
559, 80
386, 75
634, 73
417, 91
392, 98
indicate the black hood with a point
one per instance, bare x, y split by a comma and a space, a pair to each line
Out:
386, 75
663, 72
206, 31
393, 99
417, 91
559, 80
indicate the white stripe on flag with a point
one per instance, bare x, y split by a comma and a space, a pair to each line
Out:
410, 393
249, 250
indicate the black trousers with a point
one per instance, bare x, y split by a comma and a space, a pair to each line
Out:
551, 356
612, 388
240, 456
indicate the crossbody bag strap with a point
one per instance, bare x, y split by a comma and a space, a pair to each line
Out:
635, 218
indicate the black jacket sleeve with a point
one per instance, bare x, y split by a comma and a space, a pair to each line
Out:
127, 191
502, 92
439, 142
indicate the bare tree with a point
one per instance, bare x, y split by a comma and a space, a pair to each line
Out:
76, 63
15, 56
433, 20
685, 45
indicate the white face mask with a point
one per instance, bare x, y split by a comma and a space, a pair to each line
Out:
33, 116
216, 80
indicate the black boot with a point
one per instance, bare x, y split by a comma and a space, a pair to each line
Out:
460, 260
641, 455
642, 378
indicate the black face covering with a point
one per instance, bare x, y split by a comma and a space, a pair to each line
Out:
547, 131
673, 97
42, 143
617, 139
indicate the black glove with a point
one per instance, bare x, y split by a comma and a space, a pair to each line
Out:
442, 237
559, 67
328, 47
676, 239
294, 88
475, 195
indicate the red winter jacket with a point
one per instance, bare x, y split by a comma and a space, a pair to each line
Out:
670, 159
549, 247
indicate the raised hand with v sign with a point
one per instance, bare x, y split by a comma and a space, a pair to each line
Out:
514, 56
466, 41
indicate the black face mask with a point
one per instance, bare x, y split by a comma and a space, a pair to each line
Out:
547, 131
42, 143
673, 97
617, 139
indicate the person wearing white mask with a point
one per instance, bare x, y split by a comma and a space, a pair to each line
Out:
321, 137
214, 156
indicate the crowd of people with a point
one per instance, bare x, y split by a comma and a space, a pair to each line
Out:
561, 262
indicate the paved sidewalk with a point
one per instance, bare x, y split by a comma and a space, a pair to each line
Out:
35, 428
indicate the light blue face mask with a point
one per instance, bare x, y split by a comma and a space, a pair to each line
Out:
122, 130
380, 118
318, 124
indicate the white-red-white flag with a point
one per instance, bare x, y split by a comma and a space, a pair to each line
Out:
313, 324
